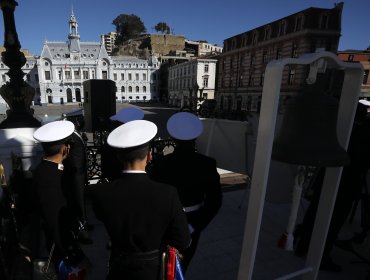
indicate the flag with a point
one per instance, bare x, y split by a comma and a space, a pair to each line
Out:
69, 272
173, 267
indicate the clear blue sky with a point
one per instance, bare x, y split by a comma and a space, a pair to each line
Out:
213, 21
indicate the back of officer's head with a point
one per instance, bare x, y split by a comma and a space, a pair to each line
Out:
131, 140
53, 136
184, 128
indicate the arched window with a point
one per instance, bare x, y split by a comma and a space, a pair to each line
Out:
144, 89
69, 95
130, 89
122, 89
78, 95
137, 89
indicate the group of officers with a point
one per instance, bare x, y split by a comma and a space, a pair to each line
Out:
148, 205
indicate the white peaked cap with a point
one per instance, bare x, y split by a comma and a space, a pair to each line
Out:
132, 134
364, 102
128, 114
54, 131
184, 126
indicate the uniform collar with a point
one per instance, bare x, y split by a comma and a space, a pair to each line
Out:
133, 171
60, 165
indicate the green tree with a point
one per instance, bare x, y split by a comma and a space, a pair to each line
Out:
128, 27
162, 27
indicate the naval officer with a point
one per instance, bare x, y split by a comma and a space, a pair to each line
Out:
194, 175
110, 166
141, 216
51, 202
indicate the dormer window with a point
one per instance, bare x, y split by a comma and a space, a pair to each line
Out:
233, 44
267, 33
324, 21
298, 23
255, 38
244, 40
282, 28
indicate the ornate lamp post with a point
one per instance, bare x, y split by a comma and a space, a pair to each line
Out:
17, 93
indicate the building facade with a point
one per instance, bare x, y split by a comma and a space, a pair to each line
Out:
245, 56
363, 57
108, 41
191, 79
202, 48
58, 73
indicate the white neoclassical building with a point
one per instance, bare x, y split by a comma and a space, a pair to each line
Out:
195, 77
59, 72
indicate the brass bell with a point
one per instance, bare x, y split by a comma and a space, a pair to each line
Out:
308, 134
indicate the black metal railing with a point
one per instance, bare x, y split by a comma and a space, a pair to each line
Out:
159, 147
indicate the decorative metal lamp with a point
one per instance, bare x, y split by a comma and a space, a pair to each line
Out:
17, 93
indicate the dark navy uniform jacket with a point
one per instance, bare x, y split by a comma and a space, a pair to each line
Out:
140, 216
52, 205
196, 178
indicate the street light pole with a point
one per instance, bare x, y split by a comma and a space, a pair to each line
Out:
17, 93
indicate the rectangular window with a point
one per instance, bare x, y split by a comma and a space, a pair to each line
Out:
47, 75
136, 76
206, 66
264, 57
68, 74
291, 77
241, 81
144, 76
366, 76
278, 53
60, 74
262, 79
104, 75
129, 76
205, 82
77, 75
250, 80
253, 59
85, 74
122, 76
115, 76
294, 50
